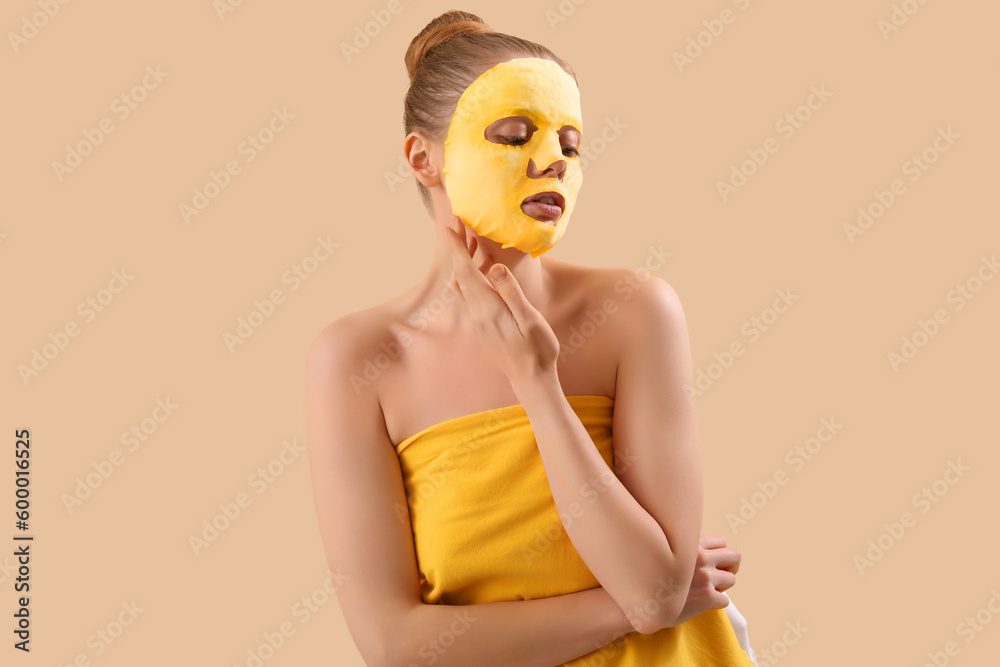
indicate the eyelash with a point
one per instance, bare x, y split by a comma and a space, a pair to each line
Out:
522, 140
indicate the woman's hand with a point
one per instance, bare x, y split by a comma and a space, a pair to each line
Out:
714, 572
509, 327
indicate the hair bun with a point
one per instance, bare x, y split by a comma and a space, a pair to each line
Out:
450, 24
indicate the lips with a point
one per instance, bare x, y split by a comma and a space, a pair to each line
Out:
543, 210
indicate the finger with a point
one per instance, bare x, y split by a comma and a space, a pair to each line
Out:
460, 301
727, 559
453, 281
463, 232
486, 264
454, 227
480, 298
473, 242
453, 234
724, 580
462, 267
459, 244
458, 225
510, 290
711, 542
718, 600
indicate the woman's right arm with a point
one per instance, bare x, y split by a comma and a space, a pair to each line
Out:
364, 524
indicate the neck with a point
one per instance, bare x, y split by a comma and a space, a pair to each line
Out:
434, 292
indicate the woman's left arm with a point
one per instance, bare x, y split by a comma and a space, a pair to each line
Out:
639, 533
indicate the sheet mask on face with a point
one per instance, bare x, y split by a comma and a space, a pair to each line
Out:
487, 181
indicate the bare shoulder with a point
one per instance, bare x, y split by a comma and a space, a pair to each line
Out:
636, 294
345, 334
358, 490
337, 354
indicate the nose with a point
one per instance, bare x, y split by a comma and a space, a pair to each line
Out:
555, 170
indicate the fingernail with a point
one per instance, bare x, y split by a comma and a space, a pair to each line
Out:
498, 272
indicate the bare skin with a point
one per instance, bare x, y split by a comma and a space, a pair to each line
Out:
444, 365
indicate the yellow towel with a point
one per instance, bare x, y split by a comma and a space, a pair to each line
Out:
486, 529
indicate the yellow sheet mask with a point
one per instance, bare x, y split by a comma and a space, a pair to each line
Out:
487, 181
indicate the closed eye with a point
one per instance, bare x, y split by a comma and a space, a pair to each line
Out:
568, 151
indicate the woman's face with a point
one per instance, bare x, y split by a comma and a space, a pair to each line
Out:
514, 138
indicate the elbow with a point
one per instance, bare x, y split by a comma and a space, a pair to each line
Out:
385, 654
665, 600
376, 643
661, 609
394, 648
375, 653
395, 654
389, 651
647, 624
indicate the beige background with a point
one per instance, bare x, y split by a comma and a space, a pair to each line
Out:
655, 184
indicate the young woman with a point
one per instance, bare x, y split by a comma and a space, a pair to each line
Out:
467, 485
